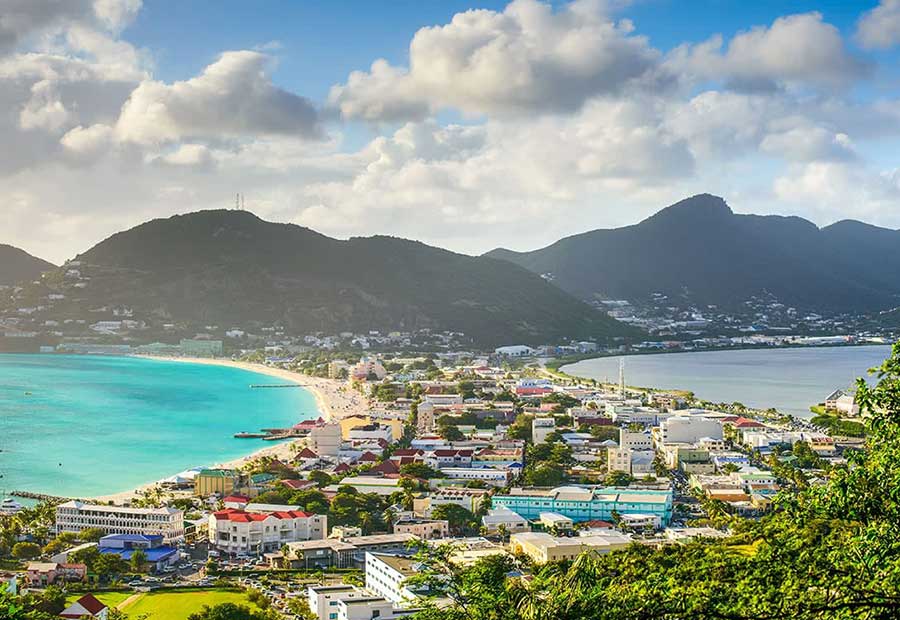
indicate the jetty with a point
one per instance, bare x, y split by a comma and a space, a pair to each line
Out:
42, 497
275, 385
268, 434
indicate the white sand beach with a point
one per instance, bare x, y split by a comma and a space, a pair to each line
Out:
334, 399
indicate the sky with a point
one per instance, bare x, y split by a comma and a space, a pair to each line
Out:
467, 125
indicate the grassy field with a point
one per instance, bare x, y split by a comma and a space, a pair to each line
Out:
111, 599
179, 605
169, 605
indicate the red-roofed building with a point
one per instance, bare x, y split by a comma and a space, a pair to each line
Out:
533, 391
238, 532
343, 468
86, 607
387, 467
407, 453
235, 501
367, 457
444, 457
298, 485
746, 423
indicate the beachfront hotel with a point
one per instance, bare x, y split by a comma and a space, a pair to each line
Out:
239, 532
587, 504
74, 516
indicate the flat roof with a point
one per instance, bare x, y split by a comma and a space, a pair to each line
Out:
402, 564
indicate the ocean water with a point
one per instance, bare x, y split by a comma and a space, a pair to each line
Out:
83, 425
791, 380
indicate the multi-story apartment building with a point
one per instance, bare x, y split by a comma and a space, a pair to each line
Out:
689, 429
541, 428
75, 516
587, 504
238, 532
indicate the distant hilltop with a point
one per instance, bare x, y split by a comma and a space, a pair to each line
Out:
231, 267
19, 266
699, 251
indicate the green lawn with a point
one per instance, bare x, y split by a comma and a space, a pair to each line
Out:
112, 599
179, 605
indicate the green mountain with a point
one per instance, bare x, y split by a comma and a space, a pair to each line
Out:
19, 266
698, 250
230, 267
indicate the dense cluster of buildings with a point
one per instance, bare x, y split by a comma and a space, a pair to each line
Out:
454, 455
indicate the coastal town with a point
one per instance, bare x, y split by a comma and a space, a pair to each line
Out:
476, 458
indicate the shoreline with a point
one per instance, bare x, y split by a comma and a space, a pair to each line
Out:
333, 401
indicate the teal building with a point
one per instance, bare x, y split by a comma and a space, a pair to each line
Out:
586, 503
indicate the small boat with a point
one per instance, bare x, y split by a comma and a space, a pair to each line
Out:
9, 506
28, 394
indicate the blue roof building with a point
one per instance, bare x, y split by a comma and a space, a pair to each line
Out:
158, 554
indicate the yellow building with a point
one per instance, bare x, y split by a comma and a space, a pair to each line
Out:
355, 421
221, 481
542, 547
351, 422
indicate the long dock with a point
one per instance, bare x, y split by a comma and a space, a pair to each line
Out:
275, 385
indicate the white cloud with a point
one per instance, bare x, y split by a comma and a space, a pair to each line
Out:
527, 58
117, 14
830, 191
880, 27
196, 155
44, 110
88, 141
234, 96
796, 50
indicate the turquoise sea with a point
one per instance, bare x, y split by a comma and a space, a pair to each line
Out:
788, 379
82, 425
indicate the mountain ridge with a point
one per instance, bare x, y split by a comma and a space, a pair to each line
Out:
698, 249
224, 266
17, 265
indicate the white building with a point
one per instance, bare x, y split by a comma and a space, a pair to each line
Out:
74, 516
495, 477
470, 499
344, 602
689, 429
371, 433
554, 520
511, 521
369, 484
386, 576
325, 440
238, 532
444, 400
634, 462
516, 350
425, 418
541, 428
635, 441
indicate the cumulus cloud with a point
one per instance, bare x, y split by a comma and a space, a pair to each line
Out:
44, 110
572, 121
527, 58
234, 96
829, 191
87, 141
880, 27
117, 14
797, 50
